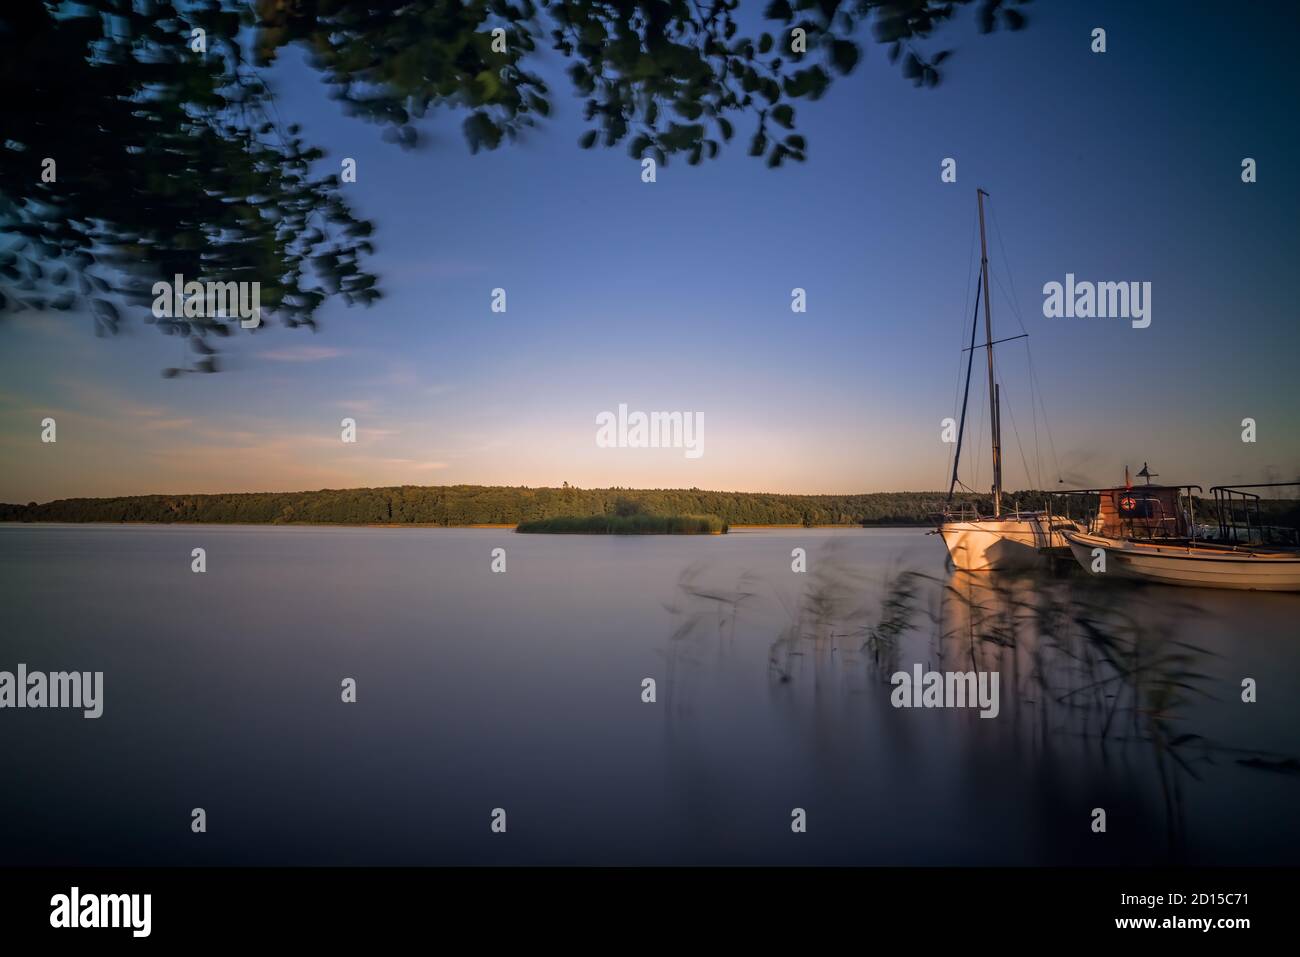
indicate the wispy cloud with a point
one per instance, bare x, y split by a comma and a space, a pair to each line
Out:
405, 463
435, 269
301, 354
357, 405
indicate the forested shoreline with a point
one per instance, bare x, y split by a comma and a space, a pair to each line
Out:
458, 505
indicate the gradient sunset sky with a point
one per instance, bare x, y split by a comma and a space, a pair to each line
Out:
676, 295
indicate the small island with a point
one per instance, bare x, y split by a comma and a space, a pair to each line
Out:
638, 523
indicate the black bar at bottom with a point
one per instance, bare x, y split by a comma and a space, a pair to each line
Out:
530, 905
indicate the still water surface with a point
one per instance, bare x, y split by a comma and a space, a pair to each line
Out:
522, 691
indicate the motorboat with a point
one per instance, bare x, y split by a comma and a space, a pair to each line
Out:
1150, 533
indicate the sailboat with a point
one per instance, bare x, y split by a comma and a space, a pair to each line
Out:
1001, 541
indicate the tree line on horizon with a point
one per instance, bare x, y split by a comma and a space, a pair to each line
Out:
456, 505
488, 505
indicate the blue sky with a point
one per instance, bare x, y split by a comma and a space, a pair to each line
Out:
676, 295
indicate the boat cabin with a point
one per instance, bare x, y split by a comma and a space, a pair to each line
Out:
1148, 511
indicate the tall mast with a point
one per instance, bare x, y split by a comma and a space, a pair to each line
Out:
995, 424
965, 396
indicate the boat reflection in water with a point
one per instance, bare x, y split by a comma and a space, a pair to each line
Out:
1105, 703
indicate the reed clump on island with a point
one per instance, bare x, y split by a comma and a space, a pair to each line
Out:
627, 517
638, 524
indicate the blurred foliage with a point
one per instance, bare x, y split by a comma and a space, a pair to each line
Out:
171, 161
167, 162
664, 76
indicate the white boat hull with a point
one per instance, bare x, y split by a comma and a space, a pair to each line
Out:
1199, 566
997, 544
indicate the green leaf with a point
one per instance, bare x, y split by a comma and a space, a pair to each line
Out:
489, 82
844, 54
481, 132
779, 10
690, 109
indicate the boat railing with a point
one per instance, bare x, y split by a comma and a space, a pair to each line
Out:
969, 512
960, 513
1162, 525
1152, 526
1067, 504
1241, 518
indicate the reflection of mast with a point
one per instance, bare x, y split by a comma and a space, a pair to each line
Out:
996, 423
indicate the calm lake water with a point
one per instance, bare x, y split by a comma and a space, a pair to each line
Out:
522, 691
